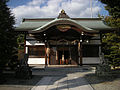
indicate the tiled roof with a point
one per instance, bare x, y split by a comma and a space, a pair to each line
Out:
86, 23
39, 25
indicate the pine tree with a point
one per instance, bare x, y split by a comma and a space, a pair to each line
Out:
8, 43
111, 41
113, 7
111, 48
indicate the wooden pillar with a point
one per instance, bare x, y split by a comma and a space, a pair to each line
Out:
80, 53
48, 59
45, 54
56, 56
48, 54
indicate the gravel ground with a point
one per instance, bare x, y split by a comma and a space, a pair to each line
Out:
17, 84
104, 83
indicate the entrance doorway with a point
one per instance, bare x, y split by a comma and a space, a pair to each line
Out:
63, 57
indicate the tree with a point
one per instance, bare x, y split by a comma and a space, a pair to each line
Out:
111, 48
8, 43
113, 7
111, 41
20, 41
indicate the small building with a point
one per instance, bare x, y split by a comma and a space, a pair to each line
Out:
63, 40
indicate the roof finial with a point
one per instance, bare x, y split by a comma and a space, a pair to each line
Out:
62, 11
62, 14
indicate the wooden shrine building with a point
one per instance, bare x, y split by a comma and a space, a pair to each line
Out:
63, 40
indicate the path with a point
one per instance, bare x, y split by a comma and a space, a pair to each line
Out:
62, 79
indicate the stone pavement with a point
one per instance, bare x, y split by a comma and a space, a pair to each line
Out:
63, 79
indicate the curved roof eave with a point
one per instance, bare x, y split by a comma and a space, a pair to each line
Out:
62, 21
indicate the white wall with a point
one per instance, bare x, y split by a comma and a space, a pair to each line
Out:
35, 42
91, 60
86, 60
36, 60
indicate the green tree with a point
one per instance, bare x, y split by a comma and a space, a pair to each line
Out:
8, 38
20, 41
111, 48
113, 7
111, 41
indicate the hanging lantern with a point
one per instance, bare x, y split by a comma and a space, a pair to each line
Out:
87, 41
44, 34
81, 40
82, 33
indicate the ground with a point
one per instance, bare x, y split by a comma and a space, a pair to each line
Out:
12, 83
59, 75
104, 83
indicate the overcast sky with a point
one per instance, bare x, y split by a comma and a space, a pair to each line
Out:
51, 8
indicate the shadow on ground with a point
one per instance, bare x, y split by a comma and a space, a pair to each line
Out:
93, 79
57, 74
60, 77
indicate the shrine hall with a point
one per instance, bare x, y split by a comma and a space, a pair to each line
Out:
63, 40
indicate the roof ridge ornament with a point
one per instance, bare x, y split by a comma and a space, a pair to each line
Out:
62, 14
62, 11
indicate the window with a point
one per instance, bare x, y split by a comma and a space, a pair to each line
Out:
90, 51
36, 51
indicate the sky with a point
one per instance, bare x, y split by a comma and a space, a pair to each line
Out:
51, 8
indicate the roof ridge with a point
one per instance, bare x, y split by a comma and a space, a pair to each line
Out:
35, 19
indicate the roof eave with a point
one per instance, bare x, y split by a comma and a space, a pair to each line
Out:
60, 21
